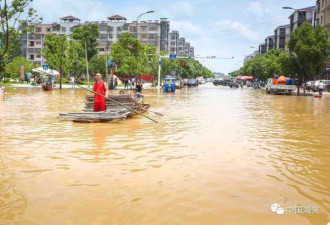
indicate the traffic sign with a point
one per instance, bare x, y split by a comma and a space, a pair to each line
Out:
110, 63
45, 67
172, 56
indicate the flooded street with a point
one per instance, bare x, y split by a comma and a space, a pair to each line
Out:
218, 156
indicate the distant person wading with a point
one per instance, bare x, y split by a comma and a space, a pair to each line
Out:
100, 87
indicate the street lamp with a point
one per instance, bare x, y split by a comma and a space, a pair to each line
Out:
137, 20
298, 10
287, 7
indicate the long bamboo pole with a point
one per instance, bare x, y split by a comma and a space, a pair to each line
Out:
127, 107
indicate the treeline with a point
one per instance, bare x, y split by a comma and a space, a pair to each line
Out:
309, 55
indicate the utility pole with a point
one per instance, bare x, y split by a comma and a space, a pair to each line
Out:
106, 64
87, 74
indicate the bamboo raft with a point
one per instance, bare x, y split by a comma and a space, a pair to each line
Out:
114, 112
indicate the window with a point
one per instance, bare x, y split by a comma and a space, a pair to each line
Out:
71, 29
30, 50
152, 36
173, 37
63, 29
282, 39
38, 36
152, 28
132, 29
143, 35
125, 28
48, 29
38, 56
118, 28
172, 43
282, 46
321, 19
103, 36
110, 36
118, 35
38, 42
31, 43
143, 28
172, 49
31, 57
110, 29
38, 29
322, 3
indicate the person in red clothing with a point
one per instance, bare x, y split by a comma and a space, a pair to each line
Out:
100, 87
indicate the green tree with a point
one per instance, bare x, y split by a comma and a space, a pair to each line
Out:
75, 62
310, 47
88, 34
12, 27
97, 65
126, 54
54, 51
13, 67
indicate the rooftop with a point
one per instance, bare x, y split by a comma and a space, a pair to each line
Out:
116, 17
69, 18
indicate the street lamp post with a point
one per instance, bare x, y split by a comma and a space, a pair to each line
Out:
299, 80
137, 21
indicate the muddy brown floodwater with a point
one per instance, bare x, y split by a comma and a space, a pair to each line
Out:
218, 156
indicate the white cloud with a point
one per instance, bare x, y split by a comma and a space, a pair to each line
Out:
186, 28
231, 27
255, 9
179, 10
84, 9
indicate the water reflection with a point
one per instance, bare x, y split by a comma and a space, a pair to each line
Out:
217, 151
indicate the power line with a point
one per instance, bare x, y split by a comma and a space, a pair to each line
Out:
234, 31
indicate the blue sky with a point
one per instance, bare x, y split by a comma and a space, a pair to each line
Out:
223, 28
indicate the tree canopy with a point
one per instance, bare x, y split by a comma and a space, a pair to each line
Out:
131, 57
13, 27
310, 47
54, 50
88, 34
13, 67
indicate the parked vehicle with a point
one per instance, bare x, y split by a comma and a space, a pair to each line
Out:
192, 83
179, 83
278, 86
222, 82
169, 85
315, 87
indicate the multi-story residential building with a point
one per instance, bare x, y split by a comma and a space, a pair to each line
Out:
155, 33
262, 49
270, 43
251, 56
323, 14
147, 32
192, 51
181, 45
174, 42
187, 48
164, 34
300, 16
66, 26
32, 42
282, 36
